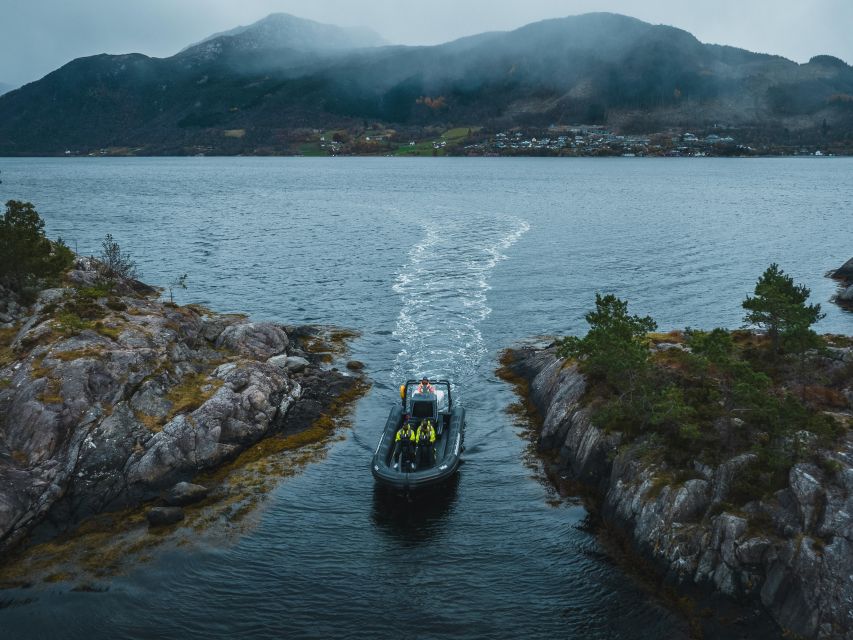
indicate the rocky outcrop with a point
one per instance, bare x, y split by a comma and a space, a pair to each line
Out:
845, 272
108, 397
185, 493
791, 553
844, 275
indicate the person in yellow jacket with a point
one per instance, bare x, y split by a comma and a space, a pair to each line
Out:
404, 446
425, 439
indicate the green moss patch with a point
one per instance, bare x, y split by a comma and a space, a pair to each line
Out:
192, 392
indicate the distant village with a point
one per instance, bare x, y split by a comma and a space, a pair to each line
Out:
576, 140
598, 140
562, 141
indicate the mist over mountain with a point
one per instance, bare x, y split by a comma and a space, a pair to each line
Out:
5, 88
282, 30
283, 74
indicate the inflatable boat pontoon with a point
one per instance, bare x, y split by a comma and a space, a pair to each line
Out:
435, 405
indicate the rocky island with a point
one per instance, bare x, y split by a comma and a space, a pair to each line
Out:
844, 276
725, 464
111, 397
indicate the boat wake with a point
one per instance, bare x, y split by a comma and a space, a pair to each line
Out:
443, 294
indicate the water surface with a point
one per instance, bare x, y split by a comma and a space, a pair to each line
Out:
440, 264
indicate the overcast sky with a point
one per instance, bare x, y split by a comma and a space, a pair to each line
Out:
37, 36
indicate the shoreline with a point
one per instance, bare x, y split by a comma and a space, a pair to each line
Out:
714, 566
445, 157
114, 400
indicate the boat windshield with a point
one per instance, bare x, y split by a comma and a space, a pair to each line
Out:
441, 396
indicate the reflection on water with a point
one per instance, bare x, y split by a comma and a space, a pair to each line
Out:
415, 519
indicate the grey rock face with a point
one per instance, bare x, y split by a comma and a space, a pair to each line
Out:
94, 420
806, 482
845, 272
294, 364
150, 399
798, 564
257, 340
726, 473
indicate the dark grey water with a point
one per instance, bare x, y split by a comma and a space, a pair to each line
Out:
440, 264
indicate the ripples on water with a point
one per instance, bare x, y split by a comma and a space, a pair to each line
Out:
440, 264
443, 290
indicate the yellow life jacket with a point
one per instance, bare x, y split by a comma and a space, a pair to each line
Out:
407, 433
426, 430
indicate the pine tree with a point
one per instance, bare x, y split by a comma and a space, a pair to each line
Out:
615, 349
779, 306
26, 254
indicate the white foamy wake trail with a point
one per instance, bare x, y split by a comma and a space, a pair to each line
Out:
443, 291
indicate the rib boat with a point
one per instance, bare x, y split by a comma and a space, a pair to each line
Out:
417, 403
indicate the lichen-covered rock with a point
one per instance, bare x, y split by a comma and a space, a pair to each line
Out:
257, 340
294, 364
102, 412
806, 482
798, 564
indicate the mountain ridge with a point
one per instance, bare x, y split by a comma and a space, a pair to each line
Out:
283, 74
358, 36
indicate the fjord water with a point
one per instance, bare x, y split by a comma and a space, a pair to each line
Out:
440, 264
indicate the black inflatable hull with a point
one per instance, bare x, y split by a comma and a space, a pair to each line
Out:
448, 455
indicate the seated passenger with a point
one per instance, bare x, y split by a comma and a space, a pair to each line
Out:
425, 387
425, 439
404, 447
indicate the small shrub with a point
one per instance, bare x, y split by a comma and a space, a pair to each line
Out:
71, 323
180, 282
114, 263
115, 304
49, 309
824, 396
84, 308
108, 332
827, 428
93, 293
